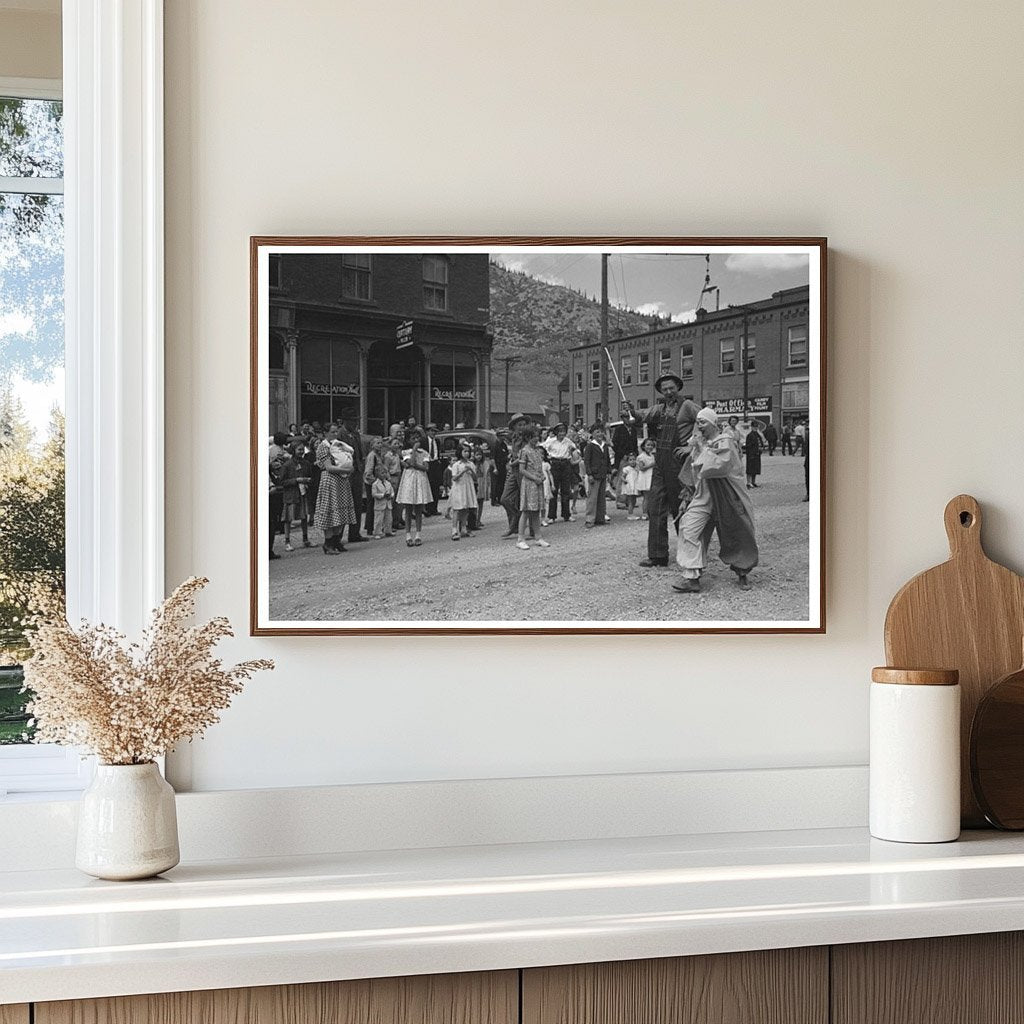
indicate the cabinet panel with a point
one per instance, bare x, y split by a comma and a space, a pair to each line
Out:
778, 986
14, 1014
962, 979
481, 998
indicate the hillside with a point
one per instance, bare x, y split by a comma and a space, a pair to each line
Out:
537, 323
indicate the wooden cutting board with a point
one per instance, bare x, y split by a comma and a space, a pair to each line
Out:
967, 614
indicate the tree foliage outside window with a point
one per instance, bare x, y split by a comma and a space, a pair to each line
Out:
31, 365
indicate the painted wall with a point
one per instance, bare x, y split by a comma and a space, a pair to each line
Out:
30, 43
895, 129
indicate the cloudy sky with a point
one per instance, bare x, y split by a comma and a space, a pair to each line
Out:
667, 284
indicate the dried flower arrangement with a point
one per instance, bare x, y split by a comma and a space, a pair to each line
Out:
130, 703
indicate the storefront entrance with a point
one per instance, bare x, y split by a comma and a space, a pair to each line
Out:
394, 386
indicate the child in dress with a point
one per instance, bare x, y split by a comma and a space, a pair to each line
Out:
291, 478
393, 460
531, 489
383, 494
462, 497
414, 489
549, 487
627, 485
645, 470
484, 469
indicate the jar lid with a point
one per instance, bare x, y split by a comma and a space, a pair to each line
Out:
916, 676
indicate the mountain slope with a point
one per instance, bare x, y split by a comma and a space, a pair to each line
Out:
536, 323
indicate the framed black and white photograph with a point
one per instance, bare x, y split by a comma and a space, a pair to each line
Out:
537, 435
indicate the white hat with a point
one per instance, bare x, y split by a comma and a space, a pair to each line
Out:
709, 415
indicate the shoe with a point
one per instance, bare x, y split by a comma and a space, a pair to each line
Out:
588, 525
329, 549
522, 545
510, 533
408, 542
306, 544
378, 536
341, 549
571, 519
741, 579
645, 518
686, 586
357, 540
455, 536
545, 522
391, 534
417, 542
542, 544
651, 563
288, 546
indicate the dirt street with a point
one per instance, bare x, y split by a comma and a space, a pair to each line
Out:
586, 574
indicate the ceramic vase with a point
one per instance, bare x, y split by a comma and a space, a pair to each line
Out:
127, 825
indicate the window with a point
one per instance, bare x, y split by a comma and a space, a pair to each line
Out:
435, 282
579, 380
626, 373
664, 362
728, 356
796, 395
355, 276
31, 392
597, 411
643, 368
595, 375
686, 361
643, 403
798, 346
577, 413
751, 352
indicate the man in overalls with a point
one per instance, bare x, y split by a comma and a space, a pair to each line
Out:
670, 422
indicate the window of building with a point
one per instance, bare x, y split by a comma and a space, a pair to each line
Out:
274, 271
686, 361
595, 375
626, 371
577, 413
664, 362
435, 282
728, 356
643, 403
751, 352
356, 276
798, 346
643, 368
795, 395
579, 380
597, 411
32, 555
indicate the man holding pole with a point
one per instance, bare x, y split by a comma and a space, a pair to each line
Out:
670, 422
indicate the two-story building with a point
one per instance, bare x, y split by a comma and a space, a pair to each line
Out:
708, 355
379, 337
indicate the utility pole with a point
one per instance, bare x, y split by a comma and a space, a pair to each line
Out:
605, 417
509, 360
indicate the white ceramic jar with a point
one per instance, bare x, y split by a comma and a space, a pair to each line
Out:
915, 755
127, 823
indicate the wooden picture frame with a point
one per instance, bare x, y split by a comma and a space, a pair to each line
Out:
337, 301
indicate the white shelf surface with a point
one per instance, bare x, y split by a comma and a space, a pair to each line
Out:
225, 924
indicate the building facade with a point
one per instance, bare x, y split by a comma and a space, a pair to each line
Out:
379, 338
708, 355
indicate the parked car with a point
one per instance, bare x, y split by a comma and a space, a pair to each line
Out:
448, 441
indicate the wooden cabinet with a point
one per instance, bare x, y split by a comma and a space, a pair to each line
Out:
962, 979
14, 1014
777, 986
482, 998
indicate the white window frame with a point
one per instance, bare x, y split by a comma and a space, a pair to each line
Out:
595, 375
664, 361
114, 347
789, 346
748, 348
643, 368
731, 342
683, 357
579, 380
626, 370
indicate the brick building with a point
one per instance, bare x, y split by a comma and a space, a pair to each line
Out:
707, 355
334, 349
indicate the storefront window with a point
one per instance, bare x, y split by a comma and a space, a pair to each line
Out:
453, 388
328, 380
